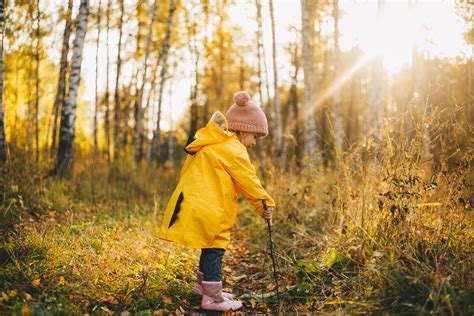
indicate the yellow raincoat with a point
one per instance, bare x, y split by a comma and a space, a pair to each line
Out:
203, 207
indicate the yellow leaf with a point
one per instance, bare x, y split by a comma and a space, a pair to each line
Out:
25, 310
105, 309
377, 253
167, 300
61, 280
13, 293
36, 282
4, 297
253, 303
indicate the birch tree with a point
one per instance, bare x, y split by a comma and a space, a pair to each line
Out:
308, 8
96, 111
374, 97
338, 127
164, 69
117, 88
263, 57
107, 86
3, 151
68, 112
139, 110
276, 98
37, 58
61, 90
259, 49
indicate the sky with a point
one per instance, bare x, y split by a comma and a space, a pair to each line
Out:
432, 26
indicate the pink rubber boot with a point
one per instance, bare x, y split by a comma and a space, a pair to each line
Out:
213, 300
198, 287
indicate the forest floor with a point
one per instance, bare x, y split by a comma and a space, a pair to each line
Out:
90, 245
111, 261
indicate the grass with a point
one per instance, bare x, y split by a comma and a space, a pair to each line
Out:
381, 232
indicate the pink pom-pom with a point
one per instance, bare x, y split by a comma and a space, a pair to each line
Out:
241, 98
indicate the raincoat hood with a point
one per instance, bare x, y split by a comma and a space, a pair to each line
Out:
216, 131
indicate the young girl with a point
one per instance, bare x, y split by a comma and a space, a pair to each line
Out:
203, 207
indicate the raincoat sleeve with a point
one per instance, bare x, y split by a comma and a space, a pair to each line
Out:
245, 176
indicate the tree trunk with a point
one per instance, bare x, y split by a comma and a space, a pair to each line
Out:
208, 52
164, 68
107, 95
470, 95
29, 115
220, 76
262, 152
276, 101
374, 98
259, 48
3, 145
37, 56
294, 107
68, 112
61, 90
338, 127
117, 88
138, 107
96, 112
308, 118
170, 132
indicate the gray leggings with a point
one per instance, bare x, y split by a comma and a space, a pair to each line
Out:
210, 263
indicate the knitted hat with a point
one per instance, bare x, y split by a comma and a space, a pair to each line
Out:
246, 116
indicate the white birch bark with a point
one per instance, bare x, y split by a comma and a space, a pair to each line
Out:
117, 88
276, 98
338, 125
107, 86
61, 90
374, 98
308, 8
164, 69
139, 116
68, 112
96, 111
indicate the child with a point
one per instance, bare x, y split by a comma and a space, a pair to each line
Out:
203, 207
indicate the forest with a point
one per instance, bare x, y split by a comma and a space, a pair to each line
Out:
369, 153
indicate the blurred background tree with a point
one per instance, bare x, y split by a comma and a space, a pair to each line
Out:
153, 62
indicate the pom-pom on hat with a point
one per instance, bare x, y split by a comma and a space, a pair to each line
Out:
246, 116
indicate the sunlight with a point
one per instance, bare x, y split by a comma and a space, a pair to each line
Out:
337, 84
400, 29
393, 35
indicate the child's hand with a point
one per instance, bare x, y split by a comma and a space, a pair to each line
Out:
267, 214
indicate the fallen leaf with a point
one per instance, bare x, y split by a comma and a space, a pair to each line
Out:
105, 309
27, 296
61, 280
377, 254
36, 282
237, 278
253, 303
167, 300
25, 310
